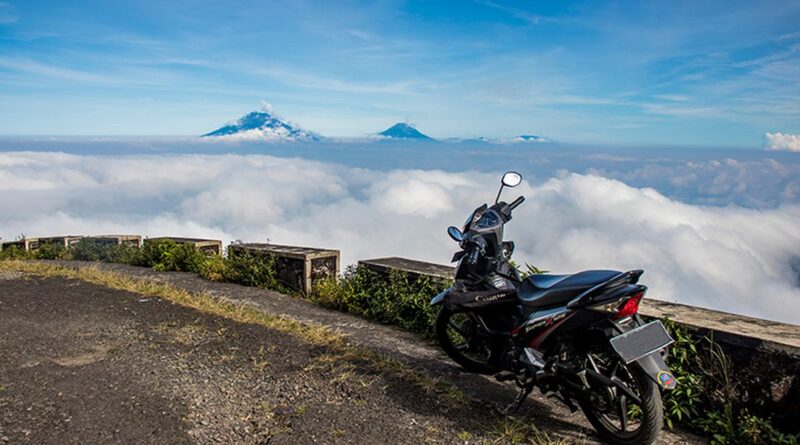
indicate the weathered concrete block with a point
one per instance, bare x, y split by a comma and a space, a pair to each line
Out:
131, 240
415, 269
207, 246
297, 267
33, 244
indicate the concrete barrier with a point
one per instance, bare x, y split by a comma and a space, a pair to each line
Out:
297, 267
765, 355
131, 240
207, 246
33, 244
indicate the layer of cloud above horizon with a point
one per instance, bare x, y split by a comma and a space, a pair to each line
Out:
781, 141
743, 260
715, 73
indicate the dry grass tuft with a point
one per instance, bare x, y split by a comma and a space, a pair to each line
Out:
510, 430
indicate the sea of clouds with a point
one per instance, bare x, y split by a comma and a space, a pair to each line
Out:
741, 254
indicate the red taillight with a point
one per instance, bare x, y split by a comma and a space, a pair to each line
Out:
630, 306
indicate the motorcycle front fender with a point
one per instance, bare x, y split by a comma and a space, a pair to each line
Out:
439, 299
656, 369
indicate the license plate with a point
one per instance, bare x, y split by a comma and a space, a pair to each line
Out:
642, 341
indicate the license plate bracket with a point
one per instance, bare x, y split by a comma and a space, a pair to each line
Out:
642, 341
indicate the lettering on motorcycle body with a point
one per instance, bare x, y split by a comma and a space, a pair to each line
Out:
546, 322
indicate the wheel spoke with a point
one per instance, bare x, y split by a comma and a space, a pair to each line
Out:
457, 328
623, 412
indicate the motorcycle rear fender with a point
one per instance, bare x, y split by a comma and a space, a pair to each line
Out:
439, 299
656, 369
652, 364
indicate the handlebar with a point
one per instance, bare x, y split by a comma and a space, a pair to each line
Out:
516, 203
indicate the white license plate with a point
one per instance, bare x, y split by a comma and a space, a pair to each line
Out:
642, 341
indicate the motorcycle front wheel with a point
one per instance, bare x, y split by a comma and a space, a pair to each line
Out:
464, 341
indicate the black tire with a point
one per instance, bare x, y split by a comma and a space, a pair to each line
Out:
650, 421
493, 348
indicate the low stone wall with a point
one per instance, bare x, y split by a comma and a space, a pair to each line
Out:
765, 355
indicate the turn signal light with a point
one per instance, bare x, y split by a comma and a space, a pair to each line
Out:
629, 307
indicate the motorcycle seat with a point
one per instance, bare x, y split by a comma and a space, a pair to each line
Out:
544, 290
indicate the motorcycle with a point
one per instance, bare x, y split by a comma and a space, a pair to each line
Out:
578, 338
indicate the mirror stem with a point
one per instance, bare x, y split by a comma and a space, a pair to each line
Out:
496, 200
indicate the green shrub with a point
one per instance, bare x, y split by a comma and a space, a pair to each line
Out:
249, 269
168, 255
52, 251
396, 299
213, 268
14, 253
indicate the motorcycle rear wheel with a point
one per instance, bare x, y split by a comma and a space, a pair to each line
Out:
614, 426
465, 342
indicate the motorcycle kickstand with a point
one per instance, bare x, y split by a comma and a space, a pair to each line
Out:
523, 393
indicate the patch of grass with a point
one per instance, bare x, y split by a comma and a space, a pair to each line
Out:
338, 433
259, 362
190, 334
510, 430
464, 436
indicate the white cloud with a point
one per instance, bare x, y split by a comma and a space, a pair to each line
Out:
729, 258
782, 141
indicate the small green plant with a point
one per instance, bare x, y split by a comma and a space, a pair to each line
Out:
685, 401
529, 269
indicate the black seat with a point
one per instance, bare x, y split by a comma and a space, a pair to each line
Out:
542, 290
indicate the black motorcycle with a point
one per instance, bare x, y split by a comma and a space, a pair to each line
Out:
577, 337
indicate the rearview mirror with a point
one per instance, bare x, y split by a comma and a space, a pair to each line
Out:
511, 179
455, 234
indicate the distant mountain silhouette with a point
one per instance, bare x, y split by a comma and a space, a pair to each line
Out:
263, 125
404, 131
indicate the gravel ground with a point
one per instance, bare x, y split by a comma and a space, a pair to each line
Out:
86, 364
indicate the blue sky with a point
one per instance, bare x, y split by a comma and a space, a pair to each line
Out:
662, 73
